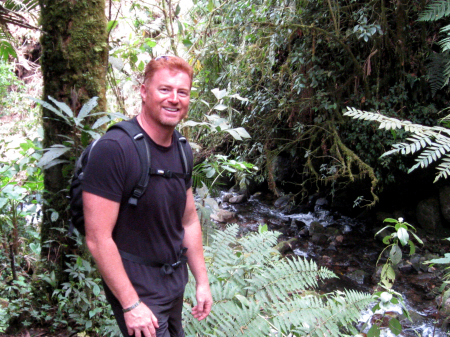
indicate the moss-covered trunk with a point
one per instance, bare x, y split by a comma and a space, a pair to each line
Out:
74, 61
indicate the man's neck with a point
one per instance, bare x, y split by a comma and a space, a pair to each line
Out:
160, 135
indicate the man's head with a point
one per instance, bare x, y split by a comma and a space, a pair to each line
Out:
166, 91
173, 63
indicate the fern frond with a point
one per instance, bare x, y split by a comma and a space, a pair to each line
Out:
257, 292
432, 141
438, 70
435, 11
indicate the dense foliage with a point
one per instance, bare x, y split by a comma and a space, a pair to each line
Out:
300, 63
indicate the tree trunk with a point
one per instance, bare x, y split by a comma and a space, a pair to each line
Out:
74, 61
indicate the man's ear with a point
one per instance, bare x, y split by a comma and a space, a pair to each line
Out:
143, 92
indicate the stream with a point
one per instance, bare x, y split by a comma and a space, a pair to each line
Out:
347, 247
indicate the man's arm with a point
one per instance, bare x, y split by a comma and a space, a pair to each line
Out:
100, 216
193, 241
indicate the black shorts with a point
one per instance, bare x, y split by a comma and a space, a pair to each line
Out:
168, 315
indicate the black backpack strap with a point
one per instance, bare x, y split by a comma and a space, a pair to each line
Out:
184, 146
137, 136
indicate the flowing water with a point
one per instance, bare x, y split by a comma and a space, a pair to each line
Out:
352, 255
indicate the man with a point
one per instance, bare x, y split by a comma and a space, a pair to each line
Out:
146, 301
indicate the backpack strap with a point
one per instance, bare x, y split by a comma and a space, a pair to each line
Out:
138, 138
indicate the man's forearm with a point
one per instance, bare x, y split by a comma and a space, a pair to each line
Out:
193, 241
109, 262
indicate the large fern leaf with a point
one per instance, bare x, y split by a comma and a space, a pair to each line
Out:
435, 11
438, 69
257, 292
431, 142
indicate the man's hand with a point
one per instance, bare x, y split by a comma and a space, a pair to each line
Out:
141, 321
204, 302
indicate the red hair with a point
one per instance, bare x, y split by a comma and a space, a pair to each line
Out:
173, 63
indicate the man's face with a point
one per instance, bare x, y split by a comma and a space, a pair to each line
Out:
165, 97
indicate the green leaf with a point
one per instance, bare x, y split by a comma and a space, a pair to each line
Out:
262, 228
52, 153
151, 43
187, 42
395, 326
412, 247
374, 331
210, 6
403, 236
7, 50
443, 260
387, 275
390, 220
86, 109
111, 25
63, 106
395, 254
177, 10
54, 216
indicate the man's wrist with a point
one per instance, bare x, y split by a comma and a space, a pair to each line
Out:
133, 306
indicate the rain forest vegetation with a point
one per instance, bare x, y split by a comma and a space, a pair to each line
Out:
273, 79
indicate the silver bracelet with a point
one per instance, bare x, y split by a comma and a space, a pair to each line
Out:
133, 306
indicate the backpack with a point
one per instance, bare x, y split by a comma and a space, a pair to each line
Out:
135, 133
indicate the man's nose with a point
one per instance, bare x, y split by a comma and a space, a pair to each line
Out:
173, 97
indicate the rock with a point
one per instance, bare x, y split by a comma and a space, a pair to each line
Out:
304, 232
339, 238
227, 197
283, 201
285, 246
359, 276
316, 227
237, 199
423, 282
319, 239
332, 231
321, 202
444, 201
223, 215
297, 223
405, 267
429, 215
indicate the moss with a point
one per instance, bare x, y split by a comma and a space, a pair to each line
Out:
74, 60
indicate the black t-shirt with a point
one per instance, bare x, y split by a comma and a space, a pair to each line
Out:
152, 229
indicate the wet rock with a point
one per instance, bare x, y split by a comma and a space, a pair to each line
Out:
444, 201
319, 239
332, 231
423, 282
429, 215
304, 232
405, 267
285, 246
237, 199
283, 201
339, 238
223, 215
297, 223
358, 276
316, 227
227, 197
321, 202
